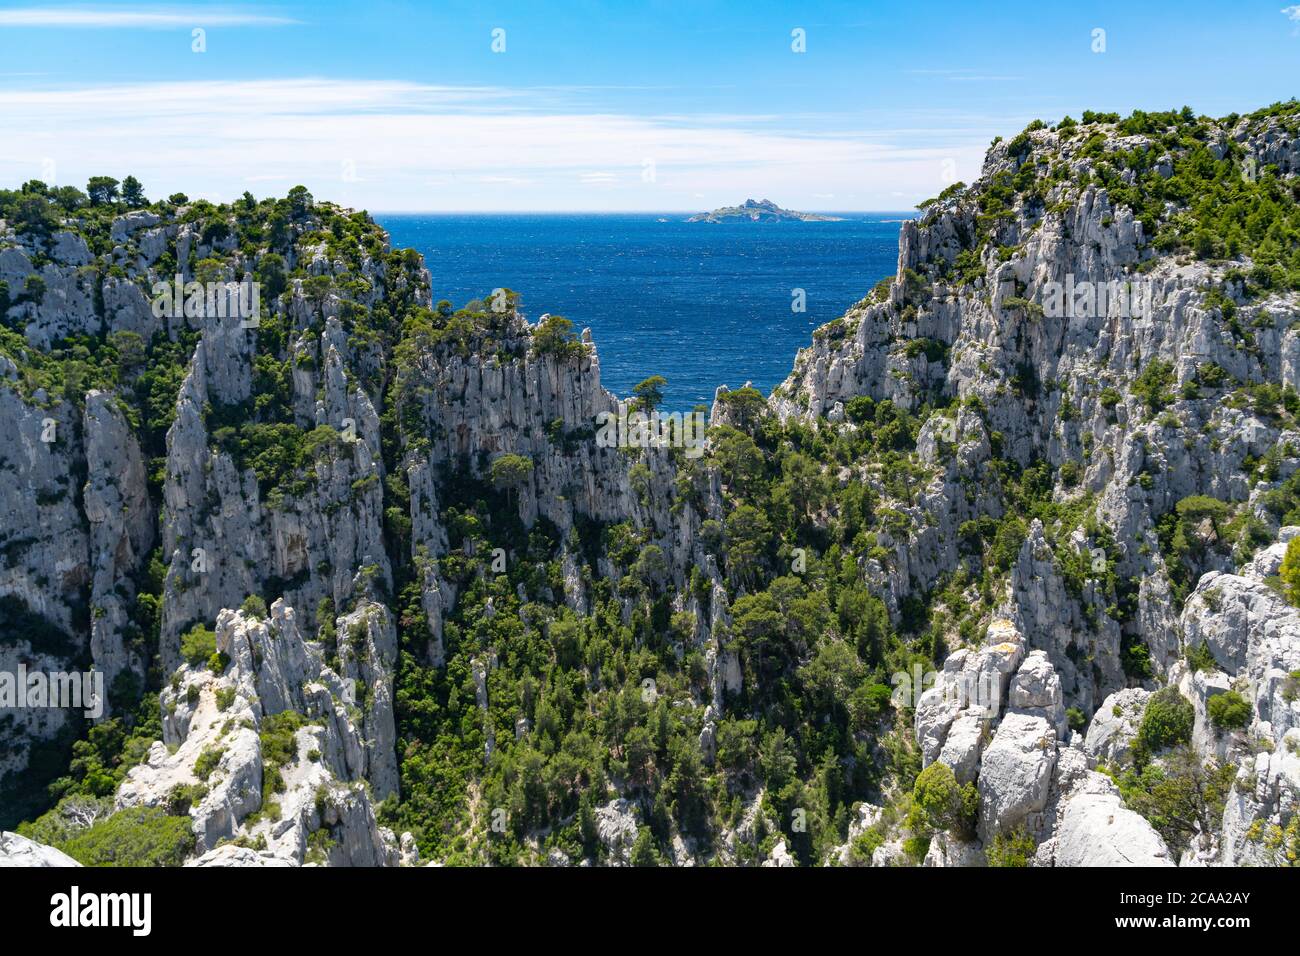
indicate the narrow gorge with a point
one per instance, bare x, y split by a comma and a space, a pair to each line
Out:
1000, 575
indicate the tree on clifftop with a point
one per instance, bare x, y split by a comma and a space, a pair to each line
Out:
133, 193
102, 190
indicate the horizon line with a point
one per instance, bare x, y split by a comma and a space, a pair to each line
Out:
601, 212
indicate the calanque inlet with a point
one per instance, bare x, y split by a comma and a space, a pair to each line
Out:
1005, 573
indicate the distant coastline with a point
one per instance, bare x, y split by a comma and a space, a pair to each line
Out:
673, 215
759, 210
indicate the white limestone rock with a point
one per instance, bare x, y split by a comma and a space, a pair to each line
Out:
890, 854
1015, 773
1096, 829
1036, 690
231, 855
338, 748
973, 682
123, 226
947, 851
1115, 725
18, 851
1261, 804
962, 747
866, 816
616, 827
120, 520
779, 857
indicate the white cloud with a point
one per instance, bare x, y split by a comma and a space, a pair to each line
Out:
141, 18
1292, 13
389, 145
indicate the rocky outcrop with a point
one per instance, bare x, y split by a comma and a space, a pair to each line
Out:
45, 564
1253, 635
779, 857
967, 698
996, 717
1115, 726
945, 850
1096, 829
121, 522
323, 539
1068, 629
616, 827
18, 851
1059, 386
45, 558
1015, 773
278, 753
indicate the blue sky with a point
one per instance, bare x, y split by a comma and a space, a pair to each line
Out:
597, 105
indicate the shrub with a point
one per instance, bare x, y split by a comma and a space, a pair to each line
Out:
1229, 711
1012, 849
72, 815
183, 796
1199, 658
139, 836
941, 803
254, 606
207, 761
1076, 719
1181, 796
554, 336
861, 409
917, 846
1135, 657
1007, 542
34, 288
644, 852
198, 644
865, 846
1153, 383
1167, 721
1290, 572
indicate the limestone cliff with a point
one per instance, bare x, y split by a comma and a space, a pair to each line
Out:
357, 562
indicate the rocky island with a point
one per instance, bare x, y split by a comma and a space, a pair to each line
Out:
760, 210
989, 579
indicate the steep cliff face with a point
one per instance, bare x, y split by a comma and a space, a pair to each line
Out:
191, 441
987, 281
273, 753
1134, 406
1252, 635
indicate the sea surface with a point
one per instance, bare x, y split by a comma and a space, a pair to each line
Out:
701, 304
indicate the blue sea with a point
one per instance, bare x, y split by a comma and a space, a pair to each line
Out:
701, 304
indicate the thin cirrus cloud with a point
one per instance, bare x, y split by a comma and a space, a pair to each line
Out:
393, 145
101, 18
